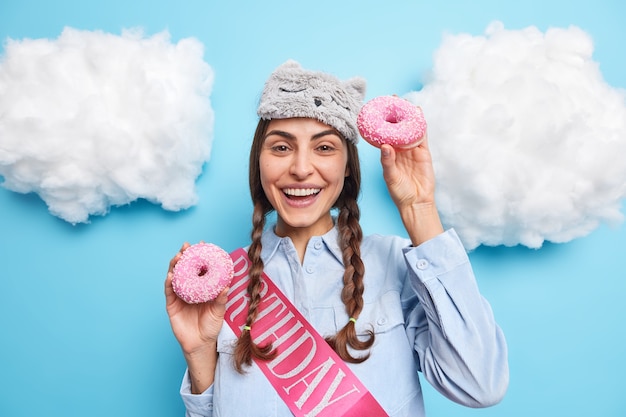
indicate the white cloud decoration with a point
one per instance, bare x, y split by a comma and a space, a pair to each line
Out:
92, 120
528, 140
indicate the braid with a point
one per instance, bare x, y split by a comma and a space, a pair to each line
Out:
350, 236
246, 349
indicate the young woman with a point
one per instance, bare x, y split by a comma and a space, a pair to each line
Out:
390, 307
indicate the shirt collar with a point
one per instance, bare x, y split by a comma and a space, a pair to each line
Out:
270, 243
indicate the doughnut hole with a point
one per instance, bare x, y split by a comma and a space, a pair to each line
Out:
392, 116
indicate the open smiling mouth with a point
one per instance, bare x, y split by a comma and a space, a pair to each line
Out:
301, 193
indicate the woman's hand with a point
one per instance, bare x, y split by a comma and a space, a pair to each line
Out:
196, 327
409, 174
410, 179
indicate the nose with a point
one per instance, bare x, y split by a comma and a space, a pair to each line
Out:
301, 166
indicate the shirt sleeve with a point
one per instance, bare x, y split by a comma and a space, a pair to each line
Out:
461, 350
196, 405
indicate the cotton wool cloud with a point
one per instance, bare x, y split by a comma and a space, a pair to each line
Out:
527, 138
92, 120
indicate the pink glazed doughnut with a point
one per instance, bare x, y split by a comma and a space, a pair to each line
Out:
391, 120
201, 273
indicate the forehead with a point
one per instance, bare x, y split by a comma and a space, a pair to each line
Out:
298, 124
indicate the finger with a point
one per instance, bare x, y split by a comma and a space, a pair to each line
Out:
222, 298
387, 157
424, 143
176, 257
169, 290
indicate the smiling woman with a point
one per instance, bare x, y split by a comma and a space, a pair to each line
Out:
353, 290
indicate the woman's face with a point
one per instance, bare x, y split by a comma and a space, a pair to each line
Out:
303, 164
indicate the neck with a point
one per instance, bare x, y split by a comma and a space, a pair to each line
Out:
300, 236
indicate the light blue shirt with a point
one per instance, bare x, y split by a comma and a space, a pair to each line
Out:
423, 304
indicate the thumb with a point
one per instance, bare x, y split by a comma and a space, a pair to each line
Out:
222, 298
387, 158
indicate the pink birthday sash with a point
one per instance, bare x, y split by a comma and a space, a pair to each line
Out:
306, 373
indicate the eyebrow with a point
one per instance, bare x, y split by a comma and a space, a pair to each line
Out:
291, 136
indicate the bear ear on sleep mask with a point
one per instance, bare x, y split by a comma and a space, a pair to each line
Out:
292, 91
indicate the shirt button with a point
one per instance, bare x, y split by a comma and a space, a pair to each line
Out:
309, 269
422, 264
382, 321
318, 245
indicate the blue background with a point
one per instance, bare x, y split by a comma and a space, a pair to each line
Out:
83, 329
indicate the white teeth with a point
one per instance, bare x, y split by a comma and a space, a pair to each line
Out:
301, 192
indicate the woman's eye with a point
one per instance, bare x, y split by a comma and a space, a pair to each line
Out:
325, 148
280, 148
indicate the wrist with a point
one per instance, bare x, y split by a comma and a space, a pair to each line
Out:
201, 350
201, 365
421, 221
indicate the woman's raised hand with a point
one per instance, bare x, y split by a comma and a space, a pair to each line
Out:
410, 179
194, 325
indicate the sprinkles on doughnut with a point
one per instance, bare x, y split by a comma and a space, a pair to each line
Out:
391, 120
201, 273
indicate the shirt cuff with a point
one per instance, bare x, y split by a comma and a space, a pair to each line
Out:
197, 405
436, 256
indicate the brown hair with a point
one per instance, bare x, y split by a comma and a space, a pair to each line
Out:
350, 236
